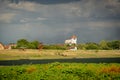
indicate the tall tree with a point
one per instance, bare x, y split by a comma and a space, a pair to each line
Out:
114, 44
22, 43
104, 45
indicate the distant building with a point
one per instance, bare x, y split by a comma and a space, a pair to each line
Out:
74, 39
1, 46
9, 46
72, 42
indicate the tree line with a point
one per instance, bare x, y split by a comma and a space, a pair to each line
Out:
102, 45
23, 43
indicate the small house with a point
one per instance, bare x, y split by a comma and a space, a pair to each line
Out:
1, 46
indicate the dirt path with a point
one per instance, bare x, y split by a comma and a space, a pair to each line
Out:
45, 61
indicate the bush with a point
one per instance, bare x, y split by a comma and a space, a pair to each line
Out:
92, 46
54, 47
23, 43
114, 44
103, 45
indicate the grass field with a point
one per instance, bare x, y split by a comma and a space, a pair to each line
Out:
61, 71
57, 54
57, 70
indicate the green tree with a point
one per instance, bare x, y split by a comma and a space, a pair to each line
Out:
81, 46
33, 45
92, 46
114, 44
104, 45
22, 43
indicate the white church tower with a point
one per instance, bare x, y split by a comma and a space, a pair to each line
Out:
72, 42
74, 39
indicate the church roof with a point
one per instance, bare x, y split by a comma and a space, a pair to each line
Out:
73, 37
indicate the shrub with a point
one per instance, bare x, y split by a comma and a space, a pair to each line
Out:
30, 69
92, 46
58, 47
23, 43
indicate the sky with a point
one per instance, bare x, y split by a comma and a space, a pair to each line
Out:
54, 21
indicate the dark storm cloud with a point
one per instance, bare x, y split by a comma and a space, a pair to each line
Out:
53, 21
46, 1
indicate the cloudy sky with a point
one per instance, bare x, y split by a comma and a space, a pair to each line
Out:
53, 21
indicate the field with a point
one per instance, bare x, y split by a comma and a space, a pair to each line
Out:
61, 71
57, 70
57, 54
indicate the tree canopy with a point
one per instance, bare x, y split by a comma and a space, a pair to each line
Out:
23, 43
102, 45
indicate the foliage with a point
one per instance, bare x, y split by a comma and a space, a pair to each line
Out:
33, 45
23, 43
58, 47
114, 44
102, 45
92, 46
81, 46
61, 71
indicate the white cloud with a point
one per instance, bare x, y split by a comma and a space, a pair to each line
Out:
84, 8
23, 20
29, 6
26, 20
40, 18
7, 17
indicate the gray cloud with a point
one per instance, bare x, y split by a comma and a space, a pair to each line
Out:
53, 22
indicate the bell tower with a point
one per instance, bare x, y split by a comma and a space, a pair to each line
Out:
74, 39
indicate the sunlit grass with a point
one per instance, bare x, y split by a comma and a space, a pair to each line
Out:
61, 71
113, 69
56, 54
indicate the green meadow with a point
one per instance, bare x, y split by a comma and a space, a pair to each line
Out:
57, 70
61, 71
